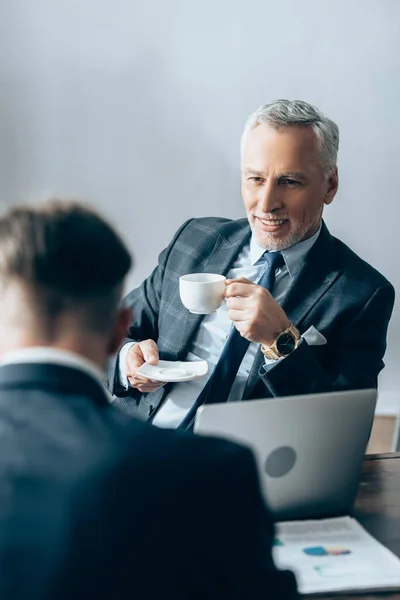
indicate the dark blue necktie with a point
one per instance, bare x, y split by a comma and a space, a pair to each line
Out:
219, 385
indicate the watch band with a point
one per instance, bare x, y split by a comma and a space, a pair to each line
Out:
272, 351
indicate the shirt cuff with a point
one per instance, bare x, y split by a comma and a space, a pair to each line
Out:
271, 361
123, 380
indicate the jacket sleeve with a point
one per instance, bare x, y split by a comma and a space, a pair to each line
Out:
144, 302
355, 355
236, 537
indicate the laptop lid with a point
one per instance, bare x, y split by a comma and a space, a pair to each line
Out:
309, 449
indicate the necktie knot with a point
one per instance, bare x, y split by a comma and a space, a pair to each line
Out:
274, 260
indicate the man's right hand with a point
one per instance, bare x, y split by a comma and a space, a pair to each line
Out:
140, 353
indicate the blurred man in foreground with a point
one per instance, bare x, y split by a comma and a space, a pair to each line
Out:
95, 504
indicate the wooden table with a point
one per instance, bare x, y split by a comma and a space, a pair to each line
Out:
377, 508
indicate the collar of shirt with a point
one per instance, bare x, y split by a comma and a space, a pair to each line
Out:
46, 354
293, 256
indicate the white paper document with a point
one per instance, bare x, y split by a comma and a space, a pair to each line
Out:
335, 555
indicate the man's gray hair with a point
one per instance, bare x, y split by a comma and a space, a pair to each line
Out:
284, 113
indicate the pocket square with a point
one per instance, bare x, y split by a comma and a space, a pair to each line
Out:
313, 337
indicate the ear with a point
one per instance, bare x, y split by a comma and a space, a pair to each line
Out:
333, 184
122, 321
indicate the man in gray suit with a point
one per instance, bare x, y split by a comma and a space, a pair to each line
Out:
319, 324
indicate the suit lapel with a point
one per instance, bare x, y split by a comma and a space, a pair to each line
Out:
314, 279
226, 249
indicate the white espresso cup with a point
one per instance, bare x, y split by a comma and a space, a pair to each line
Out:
202, 293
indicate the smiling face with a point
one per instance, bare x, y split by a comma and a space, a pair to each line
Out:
284, 186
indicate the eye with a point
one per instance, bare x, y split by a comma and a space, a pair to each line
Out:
256, 180
290, 182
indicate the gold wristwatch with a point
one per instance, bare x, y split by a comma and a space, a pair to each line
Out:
285, 343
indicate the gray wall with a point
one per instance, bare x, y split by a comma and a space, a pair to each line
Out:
140, 105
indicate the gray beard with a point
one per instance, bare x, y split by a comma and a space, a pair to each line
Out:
269, 242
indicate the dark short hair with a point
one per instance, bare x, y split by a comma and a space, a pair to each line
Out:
67, 256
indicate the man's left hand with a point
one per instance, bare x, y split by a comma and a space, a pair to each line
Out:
256, 314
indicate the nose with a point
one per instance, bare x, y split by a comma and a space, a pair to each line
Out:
269, 197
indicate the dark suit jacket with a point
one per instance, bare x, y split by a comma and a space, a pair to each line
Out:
94, 504
346, 299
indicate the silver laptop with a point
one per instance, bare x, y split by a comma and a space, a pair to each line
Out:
309, 449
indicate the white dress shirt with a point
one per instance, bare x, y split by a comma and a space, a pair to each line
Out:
215, 328
55, 356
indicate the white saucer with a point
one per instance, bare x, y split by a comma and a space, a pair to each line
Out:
172, 371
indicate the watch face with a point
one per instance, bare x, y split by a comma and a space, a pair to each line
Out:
285, 344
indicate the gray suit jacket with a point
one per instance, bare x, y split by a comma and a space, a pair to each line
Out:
337, 292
